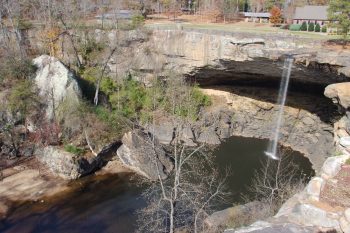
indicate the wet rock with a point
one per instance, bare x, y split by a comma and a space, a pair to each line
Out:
29, 184
145, 157
57, 85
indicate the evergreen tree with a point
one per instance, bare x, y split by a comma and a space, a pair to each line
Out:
311, 27
339, 13
303, 27
317, 28
324, 28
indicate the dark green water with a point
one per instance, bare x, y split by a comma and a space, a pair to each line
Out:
245, 156
109, 203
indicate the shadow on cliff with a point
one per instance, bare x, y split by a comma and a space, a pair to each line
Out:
310, 101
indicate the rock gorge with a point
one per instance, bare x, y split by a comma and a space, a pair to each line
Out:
241, 73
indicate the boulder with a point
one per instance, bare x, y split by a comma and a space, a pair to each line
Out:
347, 214
57, 85
339, 93
71, 166
164, 132
314, 188
221, 218
209, 136
345, 141
332, 166
144, 156
186, 135
344, 225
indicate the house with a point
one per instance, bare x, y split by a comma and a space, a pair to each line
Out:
118, 14
311, 14
257, 17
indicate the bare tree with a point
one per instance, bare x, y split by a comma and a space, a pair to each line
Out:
186, 198
277, 181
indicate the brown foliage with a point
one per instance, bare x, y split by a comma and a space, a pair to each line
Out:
276, 15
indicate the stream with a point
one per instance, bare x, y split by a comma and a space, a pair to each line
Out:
109, 203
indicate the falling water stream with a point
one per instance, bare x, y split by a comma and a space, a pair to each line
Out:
282, 96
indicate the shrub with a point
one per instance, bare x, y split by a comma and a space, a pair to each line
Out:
295, 27
347, 162
317, 28
23, 99
303, 27
13, 69
324, 29
311, 27
285, 26
137, 21
73, 149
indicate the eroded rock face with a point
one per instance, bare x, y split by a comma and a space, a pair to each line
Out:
57, 85
308, 131
229, 58
144, 155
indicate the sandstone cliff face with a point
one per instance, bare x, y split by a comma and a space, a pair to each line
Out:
214, 58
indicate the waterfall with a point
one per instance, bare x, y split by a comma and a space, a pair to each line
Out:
282, 95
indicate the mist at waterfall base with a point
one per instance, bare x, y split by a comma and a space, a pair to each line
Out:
281, 101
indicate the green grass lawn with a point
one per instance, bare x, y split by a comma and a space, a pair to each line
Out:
263, 29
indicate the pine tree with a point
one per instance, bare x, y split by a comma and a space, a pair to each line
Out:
317, 28
339, 13
311, 27
303, 27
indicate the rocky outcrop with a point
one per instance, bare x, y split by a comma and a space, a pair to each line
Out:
213, 58
144, 154
340, 95
57, 86
266, 227
305, 211
212, 127
221, 218
307, 131
71, 166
